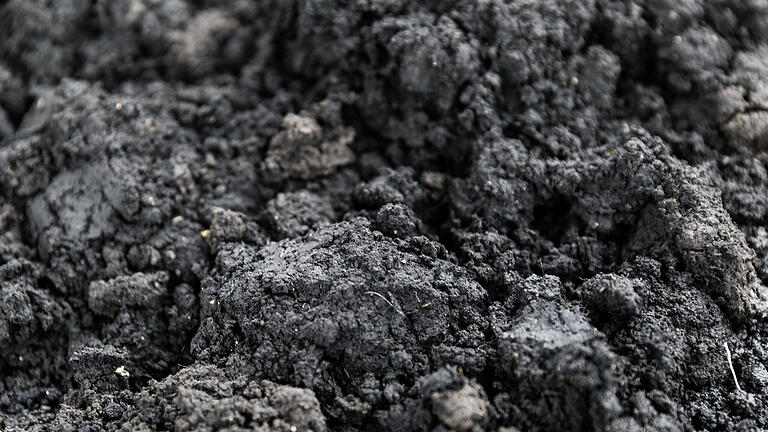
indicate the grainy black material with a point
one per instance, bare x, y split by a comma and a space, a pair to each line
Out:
383, 215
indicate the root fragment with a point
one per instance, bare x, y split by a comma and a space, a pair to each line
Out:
730, 365
386, 300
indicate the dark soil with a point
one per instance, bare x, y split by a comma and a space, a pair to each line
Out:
383, 215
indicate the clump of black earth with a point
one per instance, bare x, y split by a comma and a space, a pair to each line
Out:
362, 215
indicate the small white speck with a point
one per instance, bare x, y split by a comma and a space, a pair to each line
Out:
122, 372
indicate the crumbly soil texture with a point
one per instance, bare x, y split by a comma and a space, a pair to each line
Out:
356, 215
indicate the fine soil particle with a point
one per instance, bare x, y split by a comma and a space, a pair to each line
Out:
383, 215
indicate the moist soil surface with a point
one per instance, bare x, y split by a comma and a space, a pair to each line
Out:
397, 215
